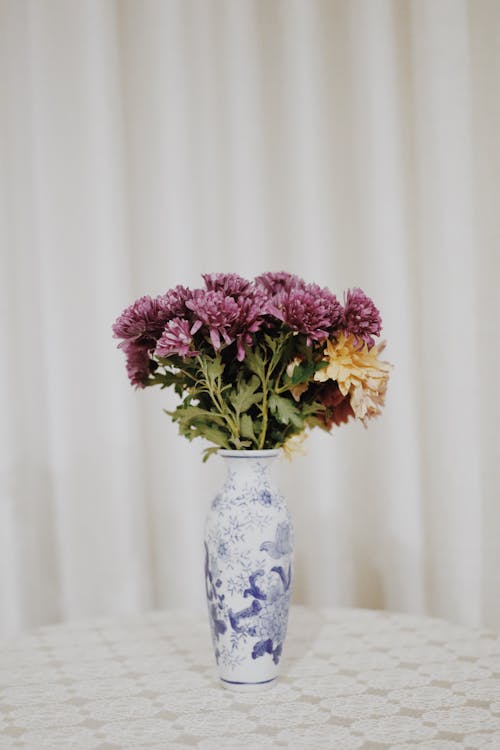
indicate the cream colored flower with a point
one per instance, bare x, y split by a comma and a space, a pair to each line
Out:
358, 372
295, 446
367, 403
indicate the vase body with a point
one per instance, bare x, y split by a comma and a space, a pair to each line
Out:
248, 571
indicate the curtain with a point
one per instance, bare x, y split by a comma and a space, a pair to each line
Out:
144, 142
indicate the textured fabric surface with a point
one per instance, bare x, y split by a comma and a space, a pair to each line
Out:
351, 680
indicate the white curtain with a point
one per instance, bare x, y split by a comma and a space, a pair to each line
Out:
143, 142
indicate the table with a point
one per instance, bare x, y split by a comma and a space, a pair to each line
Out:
350, 679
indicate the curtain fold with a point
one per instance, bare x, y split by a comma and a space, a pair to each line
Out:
143, 143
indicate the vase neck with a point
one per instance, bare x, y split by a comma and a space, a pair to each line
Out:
244, 467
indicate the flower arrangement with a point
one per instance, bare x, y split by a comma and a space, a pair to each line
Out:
257, 362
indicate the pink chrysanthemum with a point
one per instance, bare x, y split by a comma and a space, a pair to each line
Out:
143, 320
231, 284
174, 301
216, 312
176, 339
361, 318
310, 310
138, 363
252, 308
276, 282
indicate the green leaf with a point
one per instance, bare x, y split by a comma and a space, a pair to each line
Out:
246, 427
209, 452
281, 348
285, 411
272, 341
212, 434
257, 426
303, 372
215, 368
188, 366
240, 444
245, 395
190, 414
255, 361
314, 407
165, 379
316, 422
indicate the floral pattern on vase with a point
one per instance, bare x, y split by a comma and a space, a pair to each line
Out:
248, 570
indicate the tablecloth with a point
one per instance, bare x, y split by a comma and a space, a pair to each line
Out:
350, 680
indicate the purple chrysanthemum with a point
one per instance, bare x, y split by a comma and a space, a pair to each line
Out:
231, 284
143, 321
217, 312
281, 281
252, 308
176, 339
174, 301
310, 310
138, 363
361, 318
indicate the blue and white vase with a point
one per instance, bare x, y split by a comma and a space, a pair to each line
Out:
248, 570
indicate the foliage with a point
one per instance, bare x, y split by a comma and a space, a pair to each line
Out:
248, 359
248, 406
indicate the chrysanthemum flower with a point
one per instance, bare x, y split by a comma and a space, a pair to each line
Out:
358, 372
368, 402
294, 445
231, 284
361, 318
226, 318
144, 319
281, 281
310, 310
216, 312
339, 406
176, 339
253, 306
174, 301
138, 363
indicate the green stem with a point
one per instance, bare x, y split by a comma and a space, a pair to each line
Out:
283, 388
262, 438
187, 374
275, 360
218, 401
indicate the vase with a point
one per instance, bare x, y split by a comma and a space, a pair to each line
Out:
248, 571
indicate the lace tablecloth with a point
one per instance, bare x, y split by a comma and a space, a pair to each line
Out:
350, 679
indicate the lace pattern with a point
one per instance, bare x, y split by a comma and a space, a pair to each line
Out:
350, 680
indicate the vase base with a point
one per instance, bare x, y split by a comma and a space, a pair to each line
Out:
245, 687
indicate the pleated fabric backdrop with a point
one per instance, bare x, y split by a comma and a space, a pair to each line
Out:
144, 142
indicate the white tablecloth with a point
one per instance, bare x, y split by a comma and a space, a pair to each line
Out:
350, 679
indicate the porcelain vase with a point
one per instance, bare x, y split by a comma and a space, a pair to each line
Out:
248, 571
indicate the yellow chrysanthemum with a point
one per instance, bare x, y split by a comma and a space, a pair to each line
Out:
358, 372
295, 446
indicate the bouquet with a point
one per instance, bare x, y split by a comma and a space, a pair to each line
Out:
256, 363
